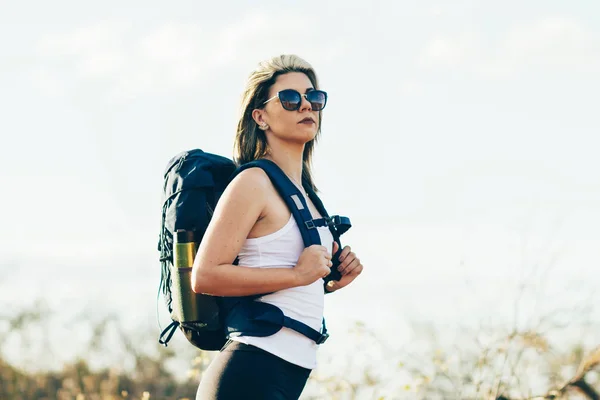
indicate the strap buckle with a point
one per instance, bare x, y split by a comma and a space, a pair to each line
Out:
334, 220
325, 221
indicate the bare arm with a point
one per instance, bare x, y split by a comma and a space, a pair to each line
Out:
240, 206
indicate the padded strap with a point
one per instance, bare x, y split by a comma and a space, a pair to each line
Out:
316, 336
278, 319
255, 318
338, 226
297, 204
291, 195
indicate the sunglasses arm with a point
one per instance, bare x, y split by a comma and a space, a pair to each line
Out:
274, 97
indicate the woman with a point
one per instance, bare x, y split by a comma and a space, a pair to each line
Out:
280, 121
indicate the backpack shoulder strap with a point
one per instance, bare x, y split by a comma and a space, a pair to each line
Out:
297, 204
291, 196
338, 225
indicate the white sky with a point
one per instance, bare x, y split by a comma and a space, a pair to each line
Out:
461, 139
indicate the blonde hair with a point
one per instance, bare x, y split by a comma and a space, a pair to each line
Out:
251, 142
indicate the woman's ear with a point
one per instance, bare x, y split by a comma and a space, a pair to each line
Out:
258, 116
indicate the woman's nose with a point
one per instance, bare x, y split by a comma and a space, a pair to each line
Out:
305, 104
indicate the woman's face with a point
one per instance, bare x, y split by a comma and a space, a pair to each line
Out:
298, 126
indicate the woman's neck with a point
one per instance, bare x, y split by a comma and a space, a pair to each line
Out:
289, 160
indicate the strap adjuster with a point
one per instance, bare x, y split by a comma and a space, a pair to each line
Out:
310, 224
322, 338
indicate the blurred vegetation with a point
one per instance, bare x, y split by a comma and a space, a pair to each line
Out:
515, 365
148, 377
487, 361
497, 365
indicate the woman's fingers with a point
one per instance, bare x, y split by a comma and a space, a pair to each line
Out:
350, 267
350, 257
345, 252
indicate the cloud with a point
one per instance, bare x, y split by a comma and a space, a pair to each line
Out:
46, 82
411, 87
94, 50
551, 43
171, 57
110, 52
443, 51
126, 63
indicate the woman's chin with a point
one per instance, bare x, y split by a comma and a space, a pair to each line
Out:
301, 136
308, 134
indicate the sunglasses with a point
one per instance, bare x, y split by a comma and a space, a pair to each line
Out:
292, 99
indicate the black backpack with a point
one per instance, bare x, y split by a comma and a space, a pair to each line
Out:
193, 183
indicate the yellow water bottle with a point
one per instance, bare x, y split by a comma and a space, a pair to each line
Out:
185, 304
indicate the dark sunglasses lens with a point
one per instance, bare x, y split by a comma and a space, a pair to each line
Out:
317, 99
290, 99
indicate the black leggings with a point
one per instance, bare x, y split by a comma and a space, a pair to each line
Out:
241, 371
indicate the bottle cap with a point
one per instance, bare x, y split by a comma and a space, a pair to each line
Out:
184, 236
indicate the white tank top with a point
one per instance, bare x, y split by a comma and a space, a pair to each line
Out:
282, 249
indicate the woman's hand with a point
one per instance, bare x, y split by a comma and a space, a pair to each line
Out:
350, 267
313, 264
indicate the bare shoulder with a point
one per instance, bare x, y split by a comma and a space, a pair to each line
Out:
252, 178
248, 189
